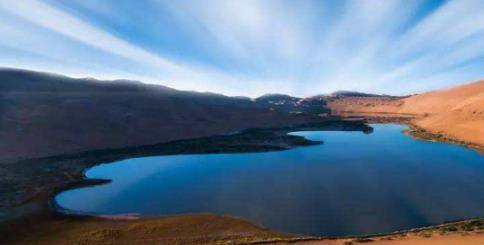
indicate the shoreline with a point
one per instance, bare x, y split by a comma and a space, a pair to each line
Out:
420, 133
50, 208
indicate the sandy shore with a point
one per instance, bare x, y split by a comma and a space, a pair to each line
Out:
205, 229
453, 239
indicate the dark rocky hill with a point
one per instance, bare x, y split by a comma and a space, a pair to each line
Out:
344, 93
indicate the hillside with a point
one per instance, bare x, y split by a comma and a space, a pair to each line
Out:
44, 114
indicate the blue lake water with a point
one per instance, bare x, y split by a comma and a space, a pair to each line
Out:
354, 183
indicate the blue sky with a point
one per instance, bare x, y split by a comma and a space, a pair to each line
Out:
249, 47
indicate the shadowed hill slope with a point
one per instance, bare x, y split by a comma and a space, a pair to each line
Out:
44, 114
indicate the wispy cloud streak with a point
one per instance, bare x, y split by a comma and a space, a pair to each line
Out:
252, 47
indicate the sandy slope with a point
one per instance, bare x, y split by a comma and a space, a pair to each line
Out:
456, 112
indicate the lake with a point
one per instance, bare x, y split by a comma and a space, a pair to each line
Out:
353, 183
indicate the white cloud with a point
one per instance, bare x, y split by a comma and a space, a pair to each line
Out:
63, 23
454, 21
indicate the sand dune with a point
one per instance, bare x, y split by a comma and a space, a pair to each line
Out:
456, 113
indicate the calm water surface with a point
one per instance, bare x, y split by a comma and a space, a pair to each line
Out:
354, 183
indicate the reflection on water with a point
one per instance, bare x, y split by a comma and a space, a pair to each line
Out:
354, 183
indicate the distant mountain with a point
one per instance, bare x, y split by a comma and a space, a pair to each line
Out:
343, 93
269, 97
44, 114
288, 104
